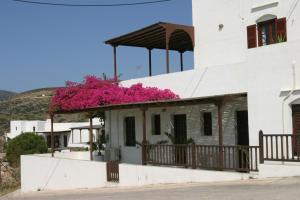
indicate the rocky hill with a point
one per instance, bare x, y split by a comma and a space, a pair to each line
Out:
4, 95
30, 105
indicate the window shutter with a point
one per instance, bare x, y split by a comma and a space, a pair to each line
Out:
251, 35
259, 30
281, 29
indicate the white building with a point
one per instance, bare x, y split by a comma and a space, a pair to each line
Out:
245, 47
239, 106
66, 135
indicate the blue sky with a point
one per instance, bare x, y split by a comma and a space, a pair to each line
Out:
43, 46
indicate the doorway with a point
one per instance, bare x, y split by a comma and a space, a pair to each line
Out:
242, 139
296, 129
180, 139
242, 128
180, 132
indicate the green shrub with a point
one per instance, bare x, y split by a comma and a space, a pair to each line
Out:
27, 143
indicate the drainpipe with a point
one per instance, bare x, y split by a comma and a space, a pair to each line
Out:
289, 94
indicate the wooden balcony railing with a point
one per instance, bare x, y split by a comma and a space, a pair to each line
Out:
281, 147
238, 158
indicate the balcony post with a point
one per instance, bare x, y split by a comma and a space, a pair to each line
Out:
220, 126
181, 61
167, 58
168, 35
115, 63
150, 61
193, 156
261, 147
144, 142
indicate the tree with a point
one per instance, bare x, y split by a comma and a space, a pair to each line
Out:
26, 143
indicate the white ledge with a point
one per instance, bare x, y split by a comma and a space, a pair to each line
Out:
288, 90
265, 4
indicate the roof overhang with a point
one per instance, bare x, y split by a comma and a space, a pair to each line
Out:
55, 132
87, 127
155, 104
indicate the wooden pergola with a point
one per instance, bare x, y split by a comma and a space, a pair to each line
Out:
157, 36
218, 100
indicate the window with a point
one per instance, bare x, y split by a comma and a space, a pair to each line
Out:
156, 127
16, 128
130, 131
207, 123
267, 32
33, 129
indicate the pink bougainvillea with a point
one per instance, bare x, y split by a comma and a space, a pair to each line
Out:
94, 92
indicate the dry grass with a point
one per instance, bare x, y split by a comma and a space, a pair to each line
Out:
7, 187
10, 180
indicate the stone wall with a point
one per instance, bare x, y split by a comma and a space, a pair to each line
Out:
115, 128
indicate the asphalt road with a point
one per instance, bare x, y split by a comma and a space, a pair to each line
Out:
269, 189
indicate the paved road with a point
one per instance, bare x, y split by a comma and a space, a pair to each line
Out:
269, 189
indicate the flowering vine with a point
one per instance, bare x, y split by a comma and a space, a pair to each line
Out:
94, 92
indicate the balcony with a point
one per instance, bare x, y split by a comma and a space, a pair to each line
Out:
164, 36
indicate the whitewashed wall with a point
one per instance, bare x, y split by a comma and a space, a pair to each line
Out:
138, 175
265, 75
229, 45
46, 173
63, 174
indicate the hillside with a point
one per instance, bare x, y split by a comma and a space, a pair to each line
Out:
30, 105
4, 95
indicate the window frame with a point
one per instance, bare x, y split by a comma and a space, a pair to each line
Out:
271, 34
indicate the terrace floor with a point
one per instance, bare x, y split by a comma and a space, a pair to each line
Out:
282, 188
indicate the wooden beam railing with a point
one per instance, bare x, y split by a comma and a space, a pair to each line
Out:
280, 147
238, 158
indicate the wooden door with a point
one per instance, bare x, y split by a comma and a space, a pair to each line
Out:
296, 129
180, 132
130, 139
242, 128
180, 137
242, 139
